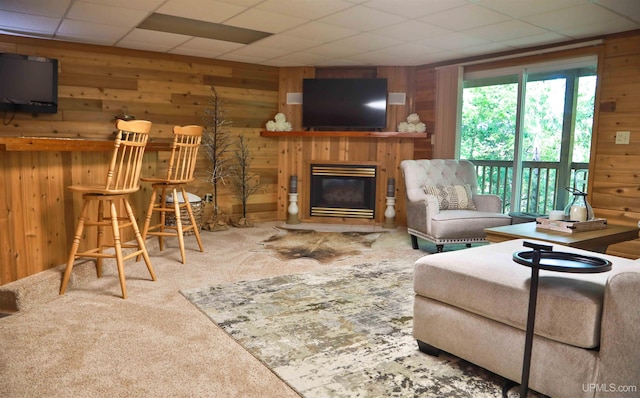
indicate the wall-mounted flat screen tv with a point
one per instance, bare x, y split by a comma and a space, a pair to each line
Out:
350, 104
28, 83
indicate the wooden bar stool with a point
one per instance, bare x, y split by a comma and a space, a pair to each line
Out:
123, 178
182, 165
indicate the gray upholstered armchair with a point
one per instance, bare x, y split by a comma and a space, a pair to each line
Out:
442, 203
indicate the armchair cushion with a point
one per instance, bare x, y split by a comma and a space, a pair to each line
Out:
452, 197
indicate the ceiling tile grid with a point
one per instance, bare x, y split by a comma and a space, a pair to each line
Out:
323, 32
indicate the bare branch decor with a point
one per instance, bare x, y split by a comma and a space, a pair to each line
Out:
216, 141
244, 183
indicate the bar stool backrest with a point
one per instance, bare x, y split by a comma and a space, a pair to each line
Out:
184, 153
126, 163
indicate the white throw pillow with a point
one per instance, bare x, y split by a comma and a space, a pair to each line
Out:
452, 197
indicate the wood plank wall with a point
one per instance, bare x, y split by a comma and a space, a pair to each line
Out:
39, 213
615, 170
614, 178
95, 82
297, 153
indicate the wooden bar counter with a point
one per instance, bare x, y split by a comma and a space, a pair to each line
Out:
37, 211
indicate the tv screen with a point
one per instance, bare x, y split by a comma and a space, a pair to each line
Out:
28, 83
352, 104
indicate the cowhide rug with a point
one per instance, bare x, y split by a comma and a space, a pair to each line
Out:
324, 247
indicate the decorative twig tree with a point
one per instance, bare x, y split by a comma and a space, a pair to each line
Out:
244, 183
216, 142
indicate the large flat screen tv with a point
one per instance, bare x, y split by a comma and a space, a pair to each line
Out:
28, 83
350, 104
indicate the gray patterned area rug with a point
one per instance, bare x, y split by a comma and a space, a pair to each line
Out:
344, 332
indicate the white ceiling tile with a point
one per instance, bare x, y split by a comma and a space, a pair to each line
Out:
362, 18
258, 52
136, 45
330, 50
509, 29
485, 48
583, 15
208, 47
26, 22
340, 62
320, 32
145, 5
209, 11
290, 43
297, 59
535, 40
161, 41
367, 42
216, 46
525, 8
241, 58
48, 8
244, 3
264, 21
464, 18
305, 9
414, 8
105, 15
326, 32
79, 29
413, 50
629, 8
598, 28
455, 41
411, 30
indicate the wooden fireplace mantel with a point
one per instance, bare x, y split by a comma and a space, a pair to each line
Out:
298, 149
349, 134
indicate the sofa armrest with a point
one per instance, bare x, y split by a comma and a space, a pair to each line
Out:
419, 212
620, 335
488, 203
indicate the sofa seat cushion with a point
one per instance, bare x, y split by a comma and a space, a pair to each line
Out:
465, 223
486, 281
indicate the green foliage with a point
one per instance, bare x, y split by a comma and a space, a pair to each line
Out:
488, 134
489, 122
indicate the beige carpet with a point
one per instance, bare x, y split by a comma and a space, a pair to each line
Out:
92, 343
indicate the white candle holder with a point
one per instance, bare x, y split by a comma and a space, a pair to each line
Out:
390, 213
293, 209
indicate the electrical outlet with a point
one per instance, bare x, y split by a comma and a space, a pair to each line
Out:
623, 137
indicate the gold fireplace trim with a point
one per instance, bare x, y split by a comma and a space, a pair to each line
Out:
343, 171
338, 212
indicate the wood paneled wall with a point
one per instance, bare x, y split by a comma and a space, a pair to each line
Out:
38, 212
297, 153
96, 82
424, 89
615, 168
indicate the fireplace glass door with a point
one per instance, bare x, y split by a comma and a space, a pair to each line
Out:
343, 191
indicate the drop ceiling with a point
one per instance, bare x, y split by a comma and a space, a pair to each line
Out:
325, 32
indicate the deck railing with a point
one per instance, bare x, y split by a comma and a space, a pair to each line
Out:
539, 186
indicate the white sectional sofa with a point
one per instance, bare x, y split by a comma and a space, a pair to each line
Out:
473, 304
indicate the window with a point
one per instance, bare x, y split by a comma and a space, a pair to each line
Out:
528, 131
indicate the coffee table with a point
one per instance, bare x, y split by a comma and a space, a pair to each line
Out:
596, 240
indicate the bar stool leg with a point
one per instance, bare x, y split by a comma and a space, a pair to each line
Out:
118, 247
179, 231
100, 239
74, 246
196, 230
141, 243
